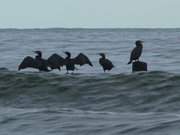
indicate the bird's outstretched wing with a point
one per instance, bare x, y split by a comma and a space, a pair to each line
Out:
28, 62
82, 59
55, 61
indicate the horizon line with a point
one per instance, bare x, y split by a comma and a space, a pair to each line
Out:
19, 28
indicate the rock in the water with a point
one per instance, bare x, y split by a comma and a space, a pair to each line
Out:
139, 66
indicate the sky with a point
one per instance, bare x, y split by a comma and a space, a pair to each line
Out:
89, 13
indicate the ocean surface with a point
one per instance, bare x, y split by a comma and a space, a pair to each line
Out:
90, 102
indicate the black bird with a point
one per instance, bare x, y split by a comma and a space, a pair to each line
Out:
70, 65
38, 62
136, 52
81, 59
105, 63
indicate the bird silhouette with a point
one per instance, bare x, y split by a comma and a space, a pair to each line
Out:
38, 62
81, 59
105, 63
136, 52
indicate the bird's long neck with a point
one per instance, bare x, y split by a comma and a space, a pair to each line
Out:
103, 57
68, 56
39, 56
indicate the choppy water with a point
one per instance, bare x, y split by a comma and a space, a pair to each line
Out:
89, 101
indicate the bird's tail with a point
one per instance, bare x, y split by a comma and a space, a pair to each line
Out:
130, 62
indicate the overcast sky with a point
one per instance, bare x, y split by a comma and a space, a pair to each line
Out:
89, 13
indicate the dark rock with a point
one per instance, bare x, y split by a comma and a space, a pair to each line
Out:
139, 66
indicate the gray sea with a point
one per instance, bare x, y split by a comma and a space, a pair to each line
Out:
90, 102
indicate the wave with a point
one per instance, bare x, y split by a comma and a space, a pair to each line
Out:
140, 92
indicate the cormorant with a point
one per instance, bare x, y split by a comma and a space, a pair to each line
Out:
69, 62
136, 52
105, 63
38, 62
81, 59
